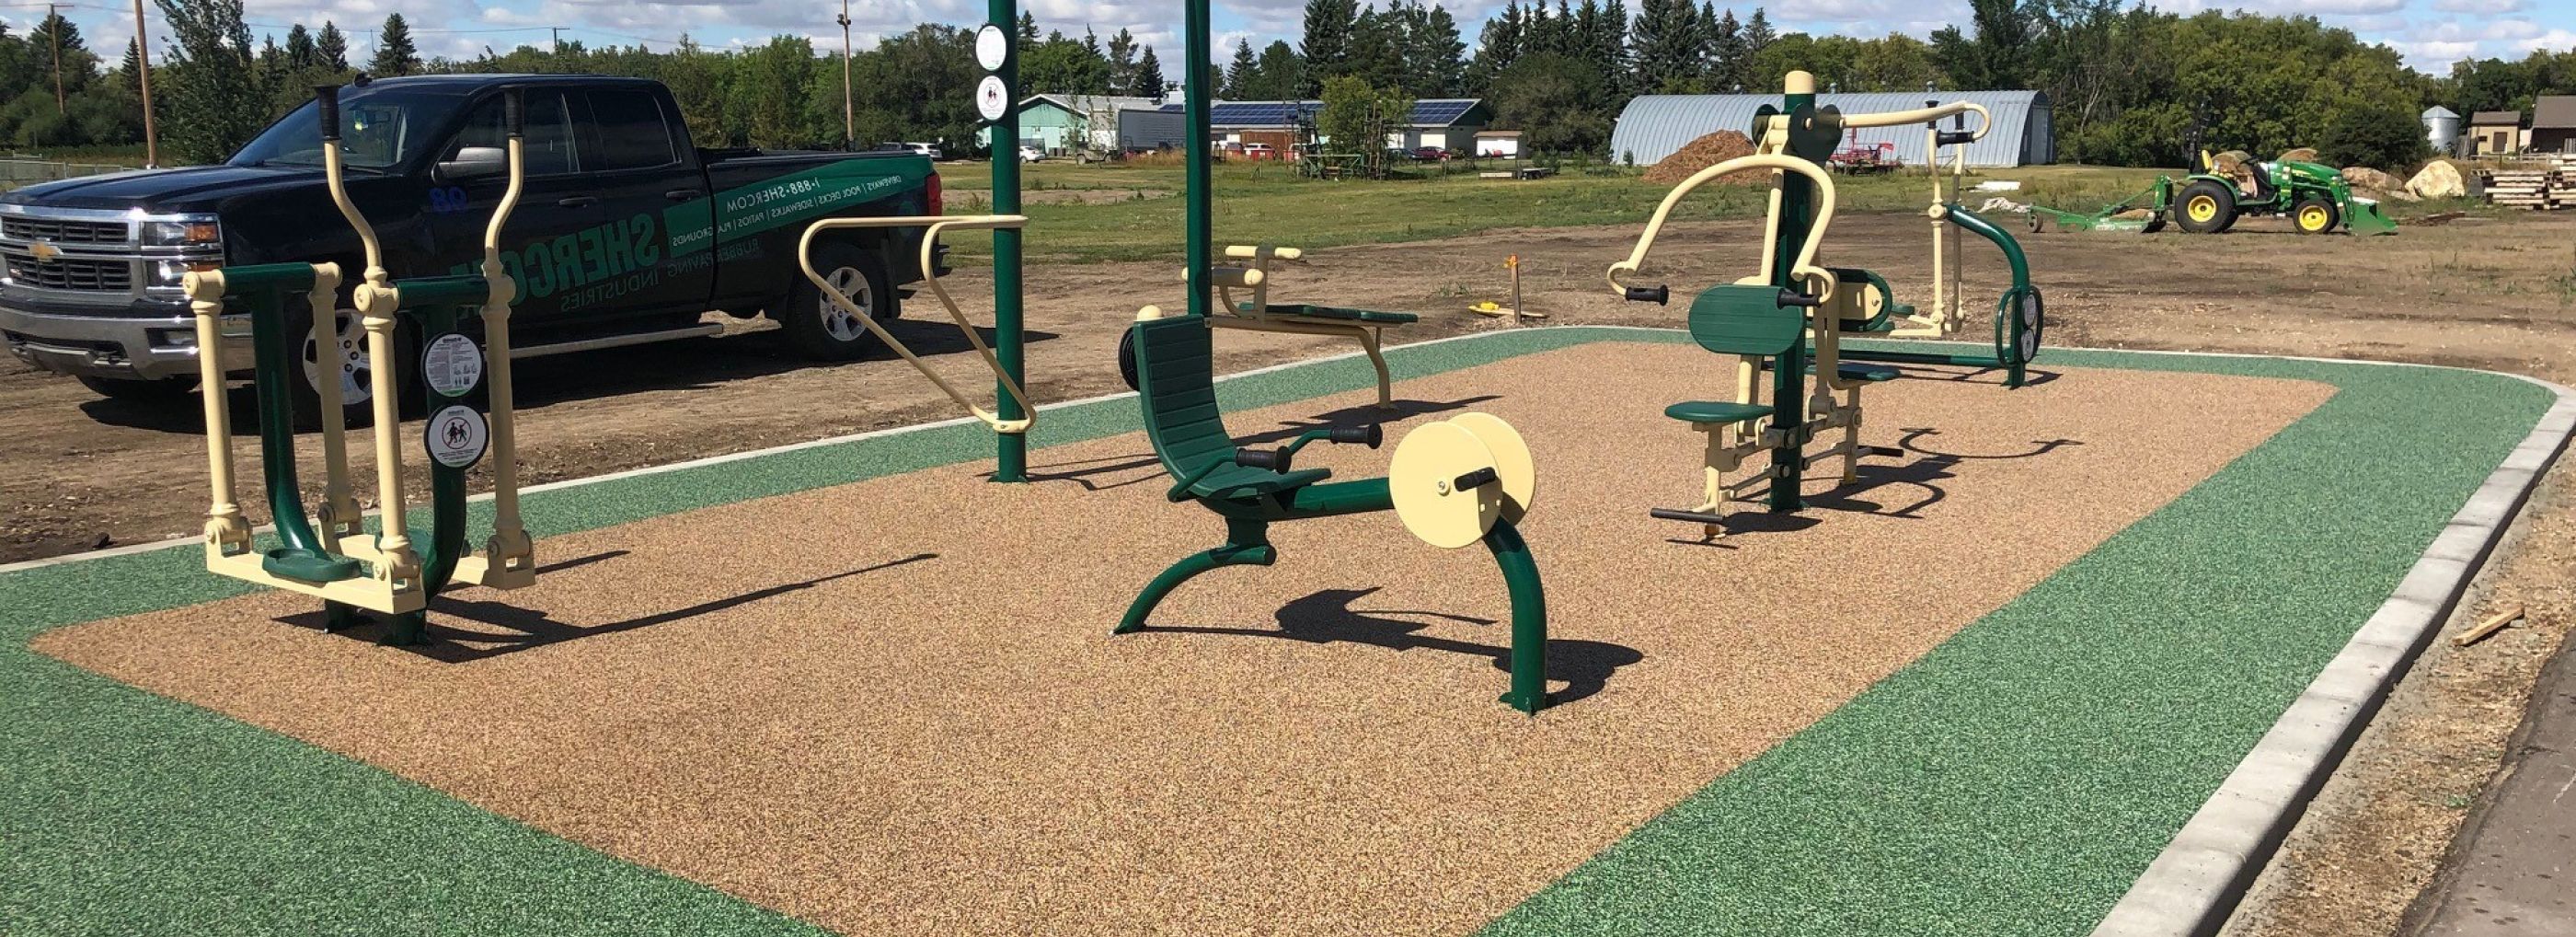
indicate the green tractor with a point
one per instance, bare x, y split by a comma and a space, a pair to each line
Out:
2315, 197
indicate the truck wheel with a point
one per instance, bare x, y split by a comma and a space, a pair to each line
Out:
344, 360
2205, 207
819, 328
2315, 216
154, 392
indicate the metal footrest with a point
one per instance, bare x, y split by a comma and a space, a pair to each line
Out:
1677, 514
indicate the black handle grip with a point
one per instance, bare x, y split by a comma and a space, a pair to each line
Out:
327, 98
1959, 120
514, 111
1955, 137
1371, 435
1659, 294
1275, 460
1790, 298
1476, 479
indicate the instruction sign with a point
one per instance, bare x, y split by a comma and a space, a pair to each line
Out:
452, 364
456, 436
992, 47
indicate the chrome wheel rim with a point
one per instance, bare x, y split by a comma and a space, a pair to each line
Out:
837, 321
347, 355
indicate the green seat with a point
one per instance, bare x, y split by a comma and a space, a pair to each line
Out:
312, 566
1716, 411
1368, 316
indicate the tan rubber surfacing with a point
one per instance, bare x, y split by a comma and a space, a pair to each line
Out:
894, 707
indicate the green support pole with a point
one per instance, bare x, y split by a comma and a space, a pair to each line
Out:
1789, 383
1199, 227
1012, 462
446, 540
1529, 618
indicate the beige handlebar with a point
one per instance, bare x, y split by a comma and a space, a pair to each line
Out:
1804, 267
930, 278
1924, 115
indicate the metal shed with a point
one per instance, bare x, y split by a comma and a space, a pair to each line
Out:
1655, 125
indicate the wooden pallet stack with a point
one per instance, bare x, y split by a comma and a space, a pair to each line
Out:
2538, 189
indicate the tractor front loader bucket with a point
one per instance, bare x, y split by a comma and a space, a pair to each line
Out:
2364, 218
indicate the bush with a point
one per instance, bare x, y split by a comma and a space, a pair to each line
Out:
2378, 134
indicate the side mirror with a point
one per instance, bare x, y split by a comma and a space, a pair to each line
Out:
474, 162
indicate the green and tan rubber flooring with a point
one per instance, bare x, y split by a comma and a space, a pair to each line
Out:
856, 688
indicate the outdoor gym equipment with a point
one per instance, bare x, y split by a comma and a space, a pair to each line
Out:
334, 561
2314, 195
2020, 317
1514, 311
1011, 414
1793, 312
1464, 480
1251, 267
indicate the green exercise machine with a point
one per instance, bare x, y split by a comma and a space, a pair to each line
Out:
334, 560
1468, 479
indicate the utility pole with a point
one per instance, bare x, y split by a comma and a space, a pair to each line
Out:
849, 111
558, 34
143, 73
54, 25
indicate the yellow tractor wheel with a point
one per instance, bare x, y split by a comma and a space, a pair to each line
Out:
2201, 209
2205, 206
2315, 216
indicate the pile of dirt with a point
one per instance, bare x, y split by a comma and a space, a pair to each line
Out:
2368, 178
2438, 179
1705, 152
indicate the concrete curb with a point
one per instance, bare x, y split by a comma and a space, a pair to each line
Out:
2197, 881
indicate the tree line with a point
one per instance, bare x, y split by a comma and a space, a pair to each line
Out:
2128, 84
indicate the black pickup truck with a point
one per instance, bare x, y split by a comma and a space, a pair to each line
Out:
626, 232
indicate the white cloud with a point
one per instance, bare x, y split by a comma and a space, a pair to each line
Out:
2482, 7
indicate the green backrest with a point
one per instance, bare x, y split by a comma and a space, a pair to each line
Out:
1176, 384
1745, 320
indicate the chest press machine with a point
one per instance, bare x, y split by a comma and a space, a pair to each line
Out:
1468, 479
1789, 318
334, 561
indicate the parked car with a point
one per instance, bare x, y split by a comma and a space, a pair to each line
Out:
917, 149
626, 233
1031, 154
1430, 153
1259, 151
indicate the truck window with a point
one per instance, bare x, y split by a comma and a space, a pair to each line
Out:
548, 148
633, 134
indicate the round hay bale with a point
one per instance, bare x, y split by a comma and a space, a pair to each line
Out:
2368, 178
2135, 214
2304, 154
1705, 152
2438, 179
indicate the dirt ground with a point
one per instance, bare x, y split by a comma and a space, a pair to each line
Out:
1344, 700
2478, 292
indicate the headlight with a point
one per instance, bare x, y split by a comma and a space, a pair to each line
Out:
181, 233
168, 272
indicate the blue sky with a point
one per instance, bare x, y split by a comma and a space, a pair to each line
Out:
2431, 33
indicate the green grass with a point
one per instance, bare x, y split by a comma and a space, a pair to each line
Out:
2013, 781
1267, 201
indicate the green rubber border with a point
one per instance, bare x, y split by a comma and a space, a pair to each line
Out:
2015, 780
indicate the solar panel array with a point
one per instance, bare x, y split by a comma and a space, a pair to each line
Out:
1435, 113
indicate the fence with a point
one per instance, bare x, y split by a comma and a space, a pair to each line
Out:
18, 172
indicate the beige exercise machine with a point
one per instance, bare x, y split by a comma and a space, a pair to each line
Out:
932, 227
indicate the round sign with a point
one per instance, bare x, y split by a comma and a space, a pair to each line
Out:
992, 97
452, 364
992, 47
456, 436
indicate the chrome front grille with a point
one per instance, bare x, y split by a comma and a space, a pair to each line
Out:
69, 273
66, 232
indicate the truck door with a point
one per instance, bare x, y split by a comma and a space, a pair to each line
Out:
636, 169
461, 206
